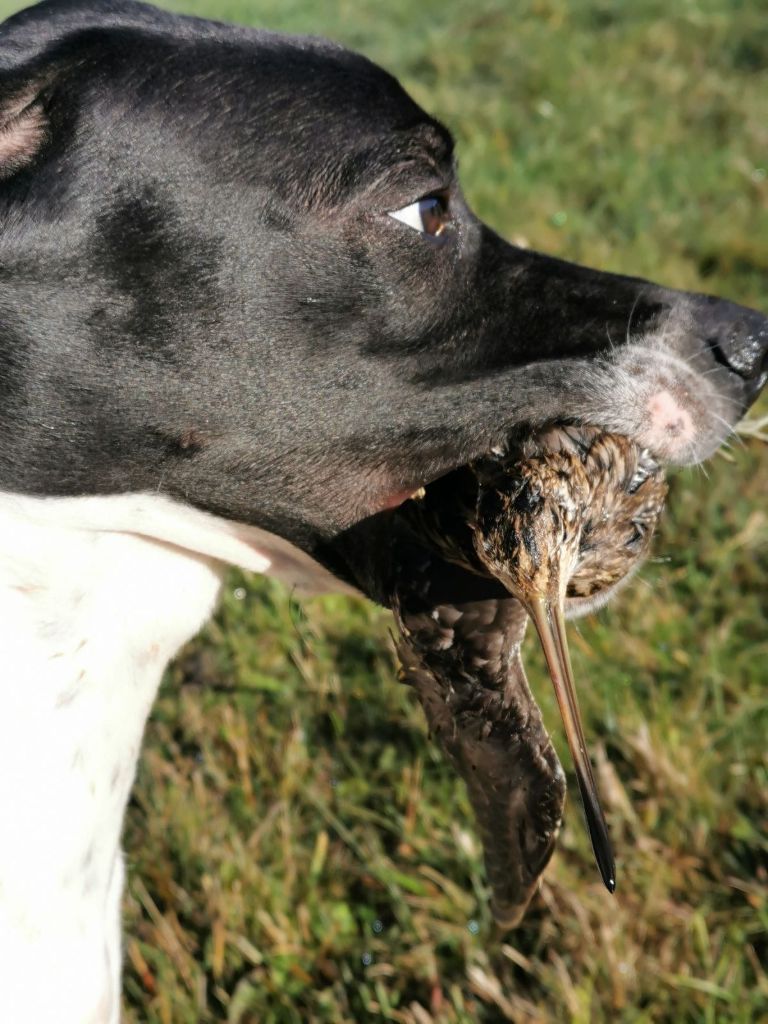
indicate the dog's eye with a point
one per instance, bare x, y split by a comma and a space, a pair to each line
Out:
429, 215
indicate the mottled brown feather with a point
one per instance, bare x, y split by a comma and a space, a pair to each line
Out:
576, 506
568, 513
464, 663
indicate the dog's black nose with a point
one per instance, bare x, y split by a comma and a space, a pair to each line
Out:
738, 337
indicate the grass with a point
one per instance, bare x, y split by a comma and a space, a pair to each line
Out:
298, 850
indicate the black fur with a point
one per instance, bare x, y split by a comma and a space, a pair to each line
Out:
201, 292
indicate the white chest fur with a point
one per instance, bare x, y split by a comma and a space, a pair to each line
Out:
88, 621
96, 595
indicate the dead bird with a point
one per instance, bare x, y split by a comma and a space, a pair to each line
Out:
560, 519
464, 661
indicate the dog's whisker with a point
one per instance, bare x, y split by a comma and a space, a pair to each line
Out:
631, 314
731, 431
737, 403
712, 372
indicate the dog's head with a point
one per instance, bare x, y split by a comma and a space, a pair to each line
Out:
238, 269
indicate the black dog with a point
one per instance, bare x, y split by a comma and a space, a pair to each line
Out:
243, 308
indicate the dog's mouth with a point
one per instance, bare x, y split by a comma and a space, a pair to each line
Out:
662, 393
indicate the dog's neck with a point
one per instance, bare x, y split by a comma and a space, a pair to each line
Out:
96, 596
88, 621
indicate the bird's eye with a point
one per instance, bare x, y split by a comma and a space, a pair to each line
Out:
429, 216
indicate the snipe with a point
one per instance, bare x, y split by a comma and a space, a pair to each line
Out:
559, 520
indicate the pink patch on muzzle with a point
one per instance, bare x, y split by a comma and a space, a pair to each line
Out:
671, 426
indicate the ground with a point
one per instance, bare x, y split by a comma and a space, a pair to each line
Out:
298, 850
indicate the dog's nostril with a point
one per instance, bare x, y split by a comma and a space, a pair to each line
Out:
743, 347
738, 338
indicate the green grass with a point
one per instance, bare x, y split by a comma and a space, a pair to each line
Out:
298, 850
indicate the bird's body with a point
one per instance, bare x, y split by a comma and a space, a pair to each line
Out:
559, 520
464, 661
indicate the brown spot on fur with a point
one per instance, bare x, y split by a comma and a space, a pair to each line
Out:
71, 693
191, 441
28, 588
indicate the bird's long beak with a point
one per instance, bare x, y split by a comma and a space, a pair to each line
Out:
548, 617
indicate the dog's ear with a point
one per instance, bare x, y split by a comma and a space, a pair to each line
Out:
42, 42
23, 129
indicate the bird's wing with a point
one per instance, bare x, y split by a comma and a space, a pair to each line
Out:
463, 659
